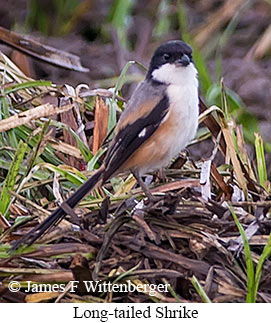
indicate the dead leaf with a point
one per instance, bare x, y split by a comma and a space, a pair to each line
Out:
44, 110
100, 124
43, 52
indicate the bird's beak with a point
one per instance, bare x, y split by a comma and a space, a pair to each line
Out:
184, 61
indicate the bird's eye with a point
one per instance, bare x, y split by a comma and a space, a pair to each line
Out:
166, 57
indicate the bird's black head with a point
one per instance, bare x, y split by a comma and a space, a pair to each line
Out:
173, 52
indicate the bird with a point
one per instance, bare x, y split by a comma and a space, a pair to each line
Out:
158, 121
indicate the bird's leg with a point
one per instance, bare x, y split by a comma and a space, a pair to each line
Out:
144, 187
161, 175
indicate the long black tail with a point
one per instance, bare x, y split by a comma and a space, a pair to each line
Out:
59, 214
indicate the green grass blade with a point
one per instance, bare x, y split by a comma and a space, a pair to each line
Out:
11, 176
121, 78
204, 75
92, 163
111, 102
4, 108
48, 155
261, 166
200, 290
251, 297
265, 255
41, 175
163, 19
119, 13
85, 151
25, 85
77, 178
35, 153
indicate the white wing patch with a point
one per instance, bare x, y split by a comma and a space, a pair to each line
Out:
142, 133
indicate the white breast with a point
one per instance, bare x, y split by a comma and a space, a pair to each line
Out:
184, 104
182, 92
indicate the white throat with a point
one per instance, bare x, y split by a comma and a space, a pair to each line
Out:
176, 75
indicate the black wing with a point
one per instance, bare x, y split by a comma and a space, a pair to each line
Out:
128, 139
